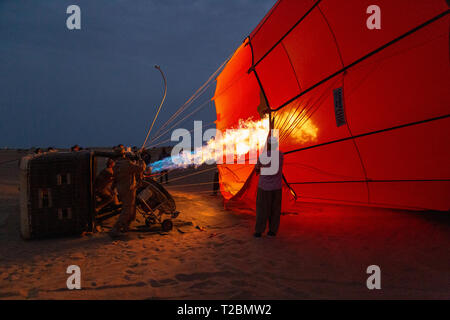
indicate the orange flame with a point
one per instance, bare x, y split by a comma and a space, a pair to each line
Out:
242, 144
296, 126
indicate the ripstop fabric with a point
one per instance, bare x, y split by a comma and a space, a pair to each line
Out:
363, 113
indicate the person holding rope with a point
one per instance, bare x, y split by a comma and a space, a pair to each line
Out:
268, 199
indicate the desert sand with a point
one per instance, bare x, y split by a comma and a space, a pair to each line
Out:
321, 253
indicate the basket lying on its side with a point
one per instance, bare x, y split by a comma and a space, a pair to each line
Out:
155, 204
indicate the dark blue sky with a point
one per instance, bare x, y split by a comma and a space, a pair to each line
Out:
97, 86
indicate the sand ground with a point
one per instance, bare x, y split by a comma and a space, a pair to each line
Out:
321, 253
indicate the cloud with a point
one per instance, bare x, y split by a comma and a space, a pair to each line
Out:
97, 86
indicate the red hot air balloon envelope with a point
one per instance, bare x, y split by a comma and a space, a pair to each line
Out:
363, 114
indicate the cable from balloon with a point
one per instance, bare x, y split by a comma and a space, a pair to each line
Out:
160, 105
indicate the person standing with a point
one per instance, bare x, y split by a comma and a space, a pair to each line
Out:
268, 198
164, 173
147, 157
126, 175
216, 184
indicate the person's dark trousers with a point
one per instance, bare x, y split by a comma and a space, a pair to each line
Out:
164, 175
268, 209
216, 182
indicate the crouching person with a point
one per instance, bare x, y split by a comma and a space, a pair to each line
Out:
104, 186
126, 175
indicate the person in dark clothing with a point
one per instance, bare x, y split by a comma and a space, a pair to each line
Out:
268, 199
216, 184
146, 156
164, 173
104, 186
75, 148
127, 173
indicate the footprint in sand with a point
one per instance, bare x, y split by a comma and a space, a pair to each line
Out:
77, 256
33, 293
203, 284
162, 283
244, 294
154, 283
240, 283
9, 294
296, 293
12, 277
201, 275
218, 244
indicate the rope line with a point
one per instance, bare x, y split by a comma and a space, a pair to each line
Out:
168, 140
195, 96
204, 104
159, 109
